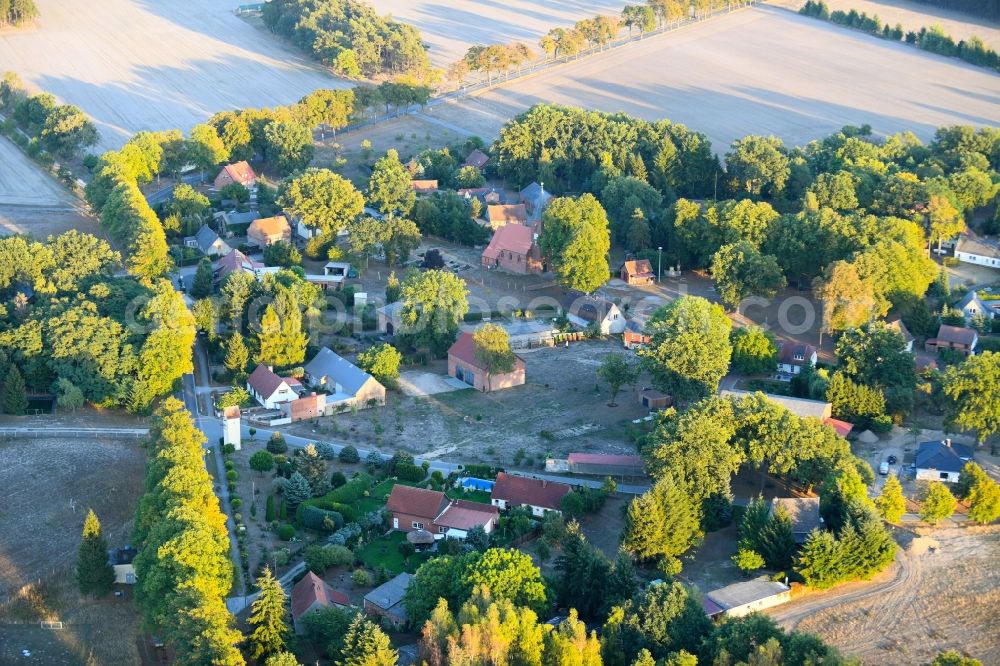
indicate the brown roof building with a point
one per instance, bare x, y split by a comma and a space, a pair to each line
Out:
477, 158
310, 594
638, 272
424, 186
465, 367
266, 231
414, 508
961, 339
499, 215
238, 172
538, 494
513, 249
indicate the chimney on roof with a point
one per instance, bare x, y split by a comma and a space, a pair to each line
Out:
544, 483
947, 442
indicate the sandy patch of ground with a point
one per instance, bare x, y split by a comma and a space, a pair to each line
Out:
758, 71
450, 28
47, 486
153, 65
418, 383
940, 598
913, 16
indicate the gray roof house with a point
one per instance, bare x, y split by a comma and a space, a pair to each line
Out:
978, 250
941, 460
804, 512
741, 599
346, 383
584, 310
209, 242
386, 601
973, 304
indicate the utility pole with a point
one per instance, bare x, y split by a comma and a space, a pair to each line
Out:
659, 262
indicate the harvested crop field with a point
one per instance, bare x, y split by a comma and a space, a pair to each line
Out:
152, 65
47, 487
942, 595
757, 71
32, 202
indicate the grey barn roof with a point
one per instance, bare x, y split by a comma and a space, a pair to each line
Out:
389, 594
740, 594
328, 364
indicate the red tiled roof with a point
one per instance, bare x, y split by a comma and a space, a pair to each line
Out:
639, 268
270, 226
536, 492
464, 350
477, 158
514, 238
464, 515
240, 172
416, 502
264, 381
311, 589
507, 213
424, 185
843, 428
956, 334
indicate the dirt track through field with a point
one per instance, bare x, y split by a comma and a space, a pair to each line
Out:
943, 598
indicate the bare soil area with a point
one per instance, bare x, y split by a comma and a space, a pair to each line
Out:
153, 65
913, 16
942, 595
47, 487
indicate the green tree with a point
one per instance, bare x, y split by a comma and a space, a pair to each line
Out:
312, 466
321, 199
288, 145
644, 529
740, 270
821, 561
754, 351
201, 286
69, 395
938, 503
94, 574
205, 149
389, 189
269, 635
775, 542
67, 130
848, 302
891, 503
616, 371
282, 659
262, 461
281, 340
237, 396
984, 500
206, 317
875, 355
297, 490
576, 240
381, 361
972, 392
748, 561
393, 288
623, 196
758, 165
15, 393
434, 302
689, 351
953, 658
237, 354
508, 574
400, 237
852, 401
491, 345
366, 645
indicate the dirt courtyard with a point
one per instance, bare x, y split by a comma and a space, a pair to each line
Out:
47, 486
140, 65
944, 594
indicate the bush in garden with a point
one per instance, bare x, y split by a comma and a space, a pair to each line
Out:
349, 455
277, 443
269, 509
325, 450
361, 578
314, 518
286, 532
337, 479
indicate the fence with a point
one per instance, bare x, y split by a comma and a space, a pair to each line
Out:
36, 433
488, 81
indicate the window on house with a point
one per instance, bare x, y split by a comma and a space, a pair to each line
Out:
441, 530
418, 526
800, 357
943, 476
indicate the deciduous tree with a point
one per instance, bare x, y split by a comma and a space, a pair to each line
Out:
616, 371
389, 189
754, 351
891, 503
972, 392
321, 199
938, 503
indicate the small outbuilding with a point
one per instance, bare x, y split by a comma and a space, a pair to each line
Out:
385, 602
650, 398
637, 272
464, 366
120, 560
600, 464
741, 599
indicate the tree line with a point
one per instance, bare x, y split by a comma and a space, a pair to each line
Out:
934, 39
349, 37
17, 12
79, 335
56, 130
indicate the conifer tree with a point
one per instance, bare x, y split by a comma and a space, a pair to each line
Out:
366, 645
297, 490
15, 394
94, 573
891, 503
267, 617
237, 355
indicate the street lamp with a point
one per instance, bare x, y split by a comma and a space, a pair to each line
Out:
659, 257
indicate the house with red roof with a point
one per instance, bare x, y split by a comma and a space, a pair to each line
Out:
477, 159
421, 509
637, 272
311, 594
238, 172
270, 390
537, 494
958, 338
514, 248
499, 215
465, 367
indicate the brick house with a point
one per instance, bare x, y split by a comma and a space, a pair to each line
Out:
465, 367
537, 494
238, 172
431, 510
499, 215
513, 249
638, 272
312, 593
266, 231
634, 336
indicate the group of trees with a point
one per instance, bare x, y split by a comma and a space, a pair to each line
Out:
17, 12
182, 568
79, 338
585, 33
575, 240
934, 39
62, 130
499, 58
349, 36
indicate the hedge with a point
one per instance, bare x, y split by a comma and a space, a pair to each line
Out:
352, 491
314, 518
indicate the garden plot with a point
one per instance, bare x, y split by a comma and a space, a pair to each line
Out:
141, 65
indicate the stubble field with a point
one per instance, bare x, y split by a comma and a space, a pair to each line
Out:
156, 64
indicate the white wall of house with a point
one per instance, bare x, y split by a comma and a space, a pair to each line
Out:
924, 474
978, 259
760, 604
282, 394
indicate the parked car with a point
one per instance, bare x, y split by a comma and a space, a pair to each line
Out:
892, 460
883, 469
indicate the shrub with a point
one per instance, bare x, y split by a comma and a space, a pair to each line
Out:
315, 518
277, 443
349, 455
352, 491
325, 450
236, 503
410, 472
286, 532
361, 578
318, 559
232, 475
337, 479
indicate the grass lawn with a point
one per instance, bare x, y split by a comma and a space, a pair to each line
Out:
384, 552
473, 495
768, 386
